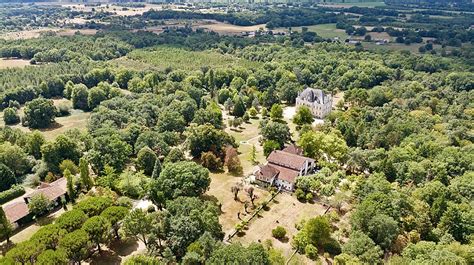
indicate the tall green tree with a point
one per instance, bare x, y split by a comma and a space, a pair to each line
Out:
86, 180
156, 169
181, 179
76, 245
114, 215
39, 113
303, 116
146, 160
71, 189
138, 224
7, 177
59, 150
6, 228
276, 112
97, 228
39, 204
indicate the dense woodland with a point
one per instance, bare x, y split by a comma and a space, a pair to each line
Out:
395, 158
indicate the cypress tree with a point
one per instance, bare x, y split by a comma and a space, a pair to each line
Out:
6, 228
85, 177
156, 169
70, 185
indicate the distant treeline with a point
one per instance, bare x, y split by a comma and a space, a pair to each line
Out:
460, 5
273, 18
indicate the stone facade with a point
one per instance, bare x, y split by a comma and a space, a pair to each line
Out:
316, 100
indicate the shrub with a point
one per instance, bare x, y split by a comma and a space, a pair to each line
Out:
70, 165
10, 116
332, 247
124, 202
210, 161
246, 117
39, 204
14, 192
253, 112
309, 196
63, 109
311, 251
279, 232
300, 195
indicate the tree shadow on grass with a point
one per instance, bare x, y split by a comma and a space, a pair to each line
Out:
4, 248
105, 257
45, 220
52, 127
124, 247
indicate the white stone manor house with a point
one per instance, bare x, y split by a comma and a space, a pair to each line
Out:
316, 100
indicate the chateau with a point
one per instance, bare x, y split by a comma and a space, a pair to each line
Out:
316, 100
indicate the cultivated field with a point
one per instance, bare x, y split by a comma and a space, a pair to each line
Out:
175, 58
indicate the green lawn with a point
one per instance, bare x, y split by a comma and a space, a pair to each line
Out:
176, 58
323, 30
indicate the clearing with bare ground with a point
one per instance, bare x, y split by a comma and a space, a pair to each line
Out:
13, 63
225, 28
35, 33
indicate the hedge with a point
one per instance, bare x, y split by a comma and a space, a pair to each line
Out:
14, 192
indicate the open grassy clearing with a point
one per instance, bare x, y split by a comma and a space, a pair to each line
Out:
222, 182
396, 47
77, 119
13, 63
284, 211
323, 30
176, 58
220, 190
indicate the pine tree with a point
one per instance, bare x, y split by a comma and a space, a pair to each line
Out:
156, 169
85, 177
70, 185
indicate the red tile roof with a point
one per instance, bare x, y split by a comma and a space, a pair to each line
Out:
15, 211
287, 159
287, 174
266, 172
52, 190
293, 149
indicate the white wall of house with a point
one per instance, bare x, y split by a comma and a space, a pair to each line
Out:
318, 110
284, 184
